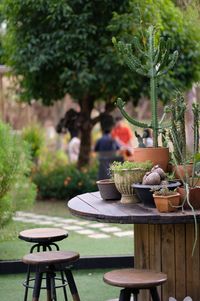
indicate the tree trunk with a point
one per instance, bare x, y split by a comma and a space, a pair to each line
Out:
85, 131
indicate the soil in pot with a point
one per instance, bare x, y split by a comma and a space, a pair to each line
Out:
108, 190
167, 203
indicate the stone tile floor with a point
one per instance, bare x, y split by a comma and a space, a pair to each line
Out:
91, 229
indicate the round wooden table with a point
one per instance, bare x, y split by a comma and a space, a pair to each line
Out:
163, 241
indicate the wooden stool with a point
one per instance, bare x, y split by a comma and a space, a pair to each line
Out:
43, 239
133, 280
48, 263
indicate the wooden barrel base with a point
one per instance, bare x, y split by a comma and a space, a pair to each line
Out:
168, 249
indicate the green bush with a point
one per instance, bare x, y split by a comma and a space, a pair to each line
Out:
15, 168
34, 135
64, 182
49, 160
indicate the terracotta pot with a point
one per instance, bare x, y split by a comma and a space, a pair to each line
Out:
167, 203
108, 190
182, 171
124, 179
194, 196
157, 155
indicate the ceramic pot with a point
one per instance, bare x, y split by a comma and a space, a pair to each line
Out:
108, 190
167, 203
182, 171
194, 196
145, 193
157, 155
123, 181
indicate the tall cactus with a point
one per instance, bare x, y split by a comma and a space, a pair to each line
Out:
157, 62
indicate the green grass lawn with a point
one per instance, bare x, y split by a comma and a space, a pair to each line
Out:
13, 248
89, 282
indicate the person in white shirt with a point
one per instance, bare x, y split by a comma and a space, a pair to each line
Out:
74, 146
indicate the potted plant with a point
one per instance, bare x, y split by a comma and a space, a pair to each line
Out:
187, 168
153, 180
166, 200
182, 166
125, 174
153, 61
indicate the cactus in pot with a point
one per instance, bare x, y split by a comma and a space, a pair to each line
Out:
154, 63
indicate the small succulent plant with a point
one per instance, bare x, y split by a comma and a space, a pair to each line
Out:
164, 191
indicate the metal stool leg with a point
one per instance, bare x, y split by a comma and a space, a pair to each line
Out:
27, 282
48, 286
37, 286
135, 294
53, 287
154, 294
64, 288
72, 285
125, 295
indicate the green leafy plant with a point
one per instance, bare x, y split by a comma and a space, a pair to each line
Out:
15, 168
34, 135
127, 165
153, 61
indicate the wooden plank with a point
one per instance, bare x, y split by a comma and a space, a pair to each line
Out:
180, 268
141, 234
192, 265
168, 260
103, 207
155, 249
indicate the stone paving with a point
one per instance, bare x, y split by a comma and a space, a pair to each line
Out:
91, 229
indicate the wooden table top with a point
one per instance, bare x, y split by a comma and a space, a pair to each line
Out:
90, 206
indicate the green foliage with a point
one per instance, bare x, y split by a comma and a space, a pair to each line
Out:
63, 47
173, 24
118, 166
34, 136
177, 134
153, 61
49, 160
14, 167
65, 182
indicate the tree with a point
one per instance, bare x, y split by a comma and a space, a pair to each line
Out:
60, 47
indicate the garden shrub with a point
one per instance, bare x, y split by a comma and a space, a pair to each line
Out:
64, 182
15, 167
49, 160
34, 135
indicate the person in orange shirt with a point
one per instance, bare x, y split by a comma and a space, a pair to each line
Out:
122, 134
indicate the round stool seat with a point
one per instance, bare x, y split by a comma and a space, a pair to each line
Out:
50, 257
133, 278
43, 235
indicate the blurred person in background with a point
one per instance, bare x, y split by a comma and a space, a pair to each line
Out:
106, 147
73, 147
122, 134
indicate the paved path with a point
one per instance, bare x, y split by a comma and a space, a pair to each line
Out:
91, 229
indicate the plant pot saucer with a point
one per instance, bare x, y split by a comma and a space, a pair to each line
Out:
145, 194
